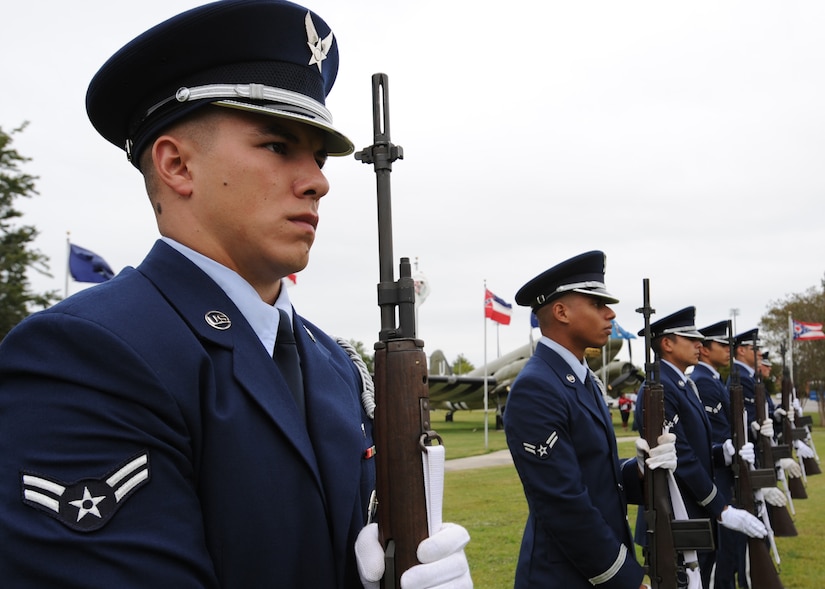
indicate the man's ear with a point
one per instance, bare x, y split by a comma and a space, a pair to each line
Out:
560, 311
170, 156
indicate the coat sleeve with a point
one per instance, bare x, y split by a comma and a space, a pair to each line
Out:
690, 472
96, 470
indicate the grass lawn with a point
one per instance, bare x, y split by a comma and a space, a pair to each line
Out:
490, 503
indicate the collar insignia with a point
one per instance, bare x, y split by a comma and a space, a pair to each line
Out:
218, 320
317, 46
88, 504
570, 378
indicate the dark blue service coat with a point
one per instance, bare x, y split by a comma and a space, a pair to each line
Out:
147, 439
716, 399
748, 394
564, 448
695, 450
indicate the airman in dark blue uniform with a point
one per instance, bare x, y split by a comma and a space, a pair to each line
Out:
563, 444
149, 438
676, 342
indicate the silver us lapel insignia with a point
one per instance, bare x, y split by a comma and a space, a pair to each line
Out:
88, 504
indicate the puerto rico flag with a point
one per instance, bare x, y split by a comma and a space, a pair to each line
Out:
496, 309
807, 331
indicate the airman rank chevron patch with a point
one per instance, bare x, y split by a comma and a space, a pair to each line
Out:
88, 504
542, 450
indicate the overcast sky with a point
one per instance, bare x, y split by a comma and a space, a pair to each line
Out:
686, 140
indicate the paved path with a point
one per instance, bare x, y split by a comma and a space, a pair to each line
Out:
498, 458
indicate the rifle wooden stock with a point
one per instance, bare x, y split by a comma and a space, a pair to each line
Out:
780, 517
660, 553
402, 410
401, 417
798, 430
659, 550
789, 434
762, 569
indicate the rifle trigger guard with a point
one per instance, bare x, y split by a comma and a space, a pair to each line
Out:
429, 436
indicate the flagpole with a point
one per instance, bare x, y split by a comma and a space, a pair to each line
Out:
68, 253
790, 345
484, 318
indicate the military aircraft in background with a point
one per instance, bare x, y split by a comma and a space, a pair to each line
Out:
454, 392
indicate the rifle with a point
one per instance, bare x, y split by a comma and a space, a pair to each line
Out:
762, 569
660, 551
402, 410
665, 535
790, 434
781, 523
797, 429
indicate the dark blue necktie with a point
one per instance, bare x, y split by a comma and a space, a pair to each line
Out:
286, 357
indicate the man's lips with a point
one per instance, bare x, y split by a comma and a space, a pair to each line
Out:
309, 220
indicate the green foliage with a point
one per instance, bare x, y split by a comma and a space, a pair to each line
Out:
16, 257
462, 365
808, 357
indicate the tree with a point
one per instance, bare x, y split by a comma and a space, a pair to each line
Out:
462, 365
16, 256
808, 356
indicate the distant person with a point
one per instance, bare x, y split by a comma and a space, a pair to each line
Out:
625, 407
563, 444
676, 342
149, 438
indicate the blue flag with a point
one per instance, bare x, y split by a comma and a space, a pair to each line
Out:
619, 332
87, 266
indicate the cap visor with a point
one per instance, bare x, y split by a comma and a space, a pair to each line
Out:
337, 144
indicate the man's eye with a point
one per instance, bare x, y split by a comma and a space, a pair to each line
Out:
276, 147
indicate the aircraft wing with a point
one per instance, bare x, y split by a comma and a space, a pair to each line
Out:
452, 392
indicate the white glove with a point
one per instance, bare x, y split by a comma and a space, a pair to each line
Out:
803, 450
766, 429
444, 563
442, 556
369, 555
774, 496
729, 451
790, 467
747, 453
795, 404
740, 520
662, 456
694, 578
780, 412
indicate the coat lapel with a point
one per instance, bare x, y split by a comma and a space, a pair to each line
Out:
215, 320
333, 417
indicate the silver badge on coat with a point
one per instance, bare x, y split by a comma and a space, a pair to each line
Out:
218, 320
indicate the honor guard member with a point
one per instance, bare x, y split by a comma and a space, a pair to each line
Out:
714, 353
745, 362
562, 440
676, 342
149, 438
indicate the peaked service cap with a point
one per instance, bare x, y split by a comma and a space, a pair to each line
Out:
747, 338
266, 56
718, 332
681, 322
583, 274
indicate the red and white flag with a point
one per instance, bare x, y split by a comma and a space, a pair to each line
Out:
807, 331
496, 309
